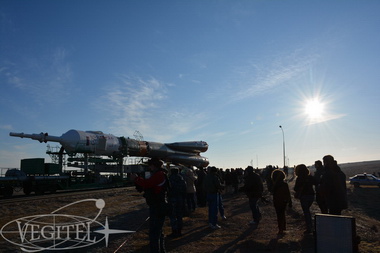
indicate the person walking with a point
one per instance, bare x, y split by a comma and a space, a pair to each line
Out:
155, 192
281, 199
305, 193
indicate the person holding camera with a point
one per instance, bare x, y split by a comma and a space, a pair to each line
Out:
155, 189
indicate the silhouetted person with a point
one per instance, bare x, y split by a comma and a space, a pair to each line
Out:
253, 188
177, 196
321, 200
212, 185
281, 198
333, 186
305, 193
268, 177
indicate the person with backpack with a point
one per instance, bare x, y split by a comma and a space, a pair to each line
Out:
155, 189
176, 196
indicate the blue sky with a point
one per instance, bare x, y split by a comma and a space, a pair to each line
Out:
225, 72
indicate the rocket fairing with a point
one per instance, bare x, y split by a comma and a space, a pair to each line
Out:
98, 143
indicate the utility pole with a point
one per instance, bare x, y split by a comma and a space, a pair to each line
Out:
283, 144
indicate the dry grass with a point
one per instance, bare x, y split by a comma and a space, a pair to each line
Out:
127, 211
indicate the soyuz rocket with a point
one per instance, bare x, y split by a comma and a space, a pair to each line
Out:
98, 143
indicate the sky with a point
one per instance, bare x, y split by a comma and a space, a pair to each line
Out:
225, 72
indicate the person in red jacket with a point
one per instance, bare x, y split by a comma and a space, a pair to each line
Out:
155, 189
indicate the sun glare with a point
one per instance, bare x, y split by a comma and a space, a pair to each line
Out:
314, 109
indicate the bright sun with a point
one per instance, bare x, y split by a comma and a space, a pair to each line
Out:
314, 109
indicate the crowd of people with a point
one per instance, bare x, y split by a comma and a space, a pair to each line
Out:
177, 192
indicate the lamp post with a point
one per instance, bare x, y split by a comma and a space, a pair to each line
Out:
283, 144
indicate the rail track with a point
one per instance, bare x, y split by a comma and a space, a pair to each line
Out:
84, 192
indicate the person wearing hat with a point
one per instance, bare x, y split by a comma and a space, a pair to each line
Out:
155, 192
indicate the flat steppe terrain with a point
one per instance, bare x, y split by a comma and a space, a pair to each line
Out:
126, 210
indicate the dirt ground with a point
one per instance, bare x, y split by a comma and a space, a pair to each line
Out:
126, 210
236, 235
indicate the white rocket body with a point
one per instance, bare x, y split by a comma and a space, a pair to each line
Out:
98, 143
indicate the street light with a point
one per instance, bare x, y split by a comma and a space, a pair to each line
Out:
283, 143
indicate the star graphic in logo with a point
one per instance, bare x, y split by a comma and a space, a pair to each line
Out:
107, 231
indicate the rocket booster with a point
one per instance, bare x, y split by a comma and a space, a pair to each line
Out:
98, 143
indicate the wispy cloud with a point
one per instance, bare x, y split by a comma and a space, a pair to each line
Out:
44, 79
142, 104
257, 79
6, 127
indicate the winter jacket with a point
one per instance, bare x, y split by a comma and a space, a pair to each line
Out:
212, 183
304, 186
154, 187
333, 188
190, 178
253, 186
281, 194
